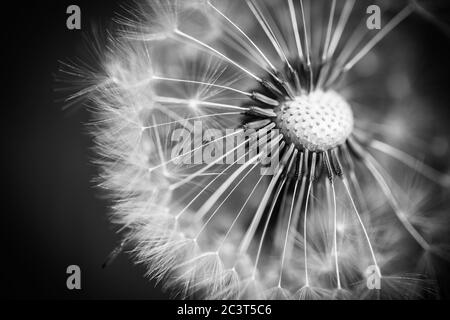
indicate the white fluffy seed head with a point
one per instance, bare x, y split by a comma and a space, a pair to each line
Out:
317, 121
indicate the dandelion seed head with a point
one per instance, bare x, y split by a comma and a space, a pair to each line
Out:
221, 230
316, 121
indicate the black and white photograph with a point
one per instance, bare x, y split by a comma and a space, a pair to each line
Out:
226, 150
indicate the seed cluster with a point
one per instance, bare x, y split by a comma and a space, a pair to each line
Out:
318, 121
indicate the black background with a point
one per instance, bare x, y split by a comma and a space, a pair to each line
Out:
51, 216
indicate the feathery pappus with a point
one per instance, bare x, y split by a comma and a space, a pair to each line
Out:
253, 151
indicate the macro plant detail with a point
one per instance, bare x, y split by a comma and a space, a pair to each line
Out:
277, 72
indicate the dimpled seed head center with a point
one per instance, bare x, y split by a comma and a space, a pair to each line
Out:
318, 121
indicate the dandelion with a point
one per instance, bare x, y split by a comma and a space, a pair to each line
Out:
329, 211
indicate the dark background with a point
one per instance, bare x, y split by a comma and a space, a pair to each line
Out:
51, 216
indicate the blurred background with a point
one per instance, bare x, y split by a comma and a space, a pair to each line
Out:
52, 216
